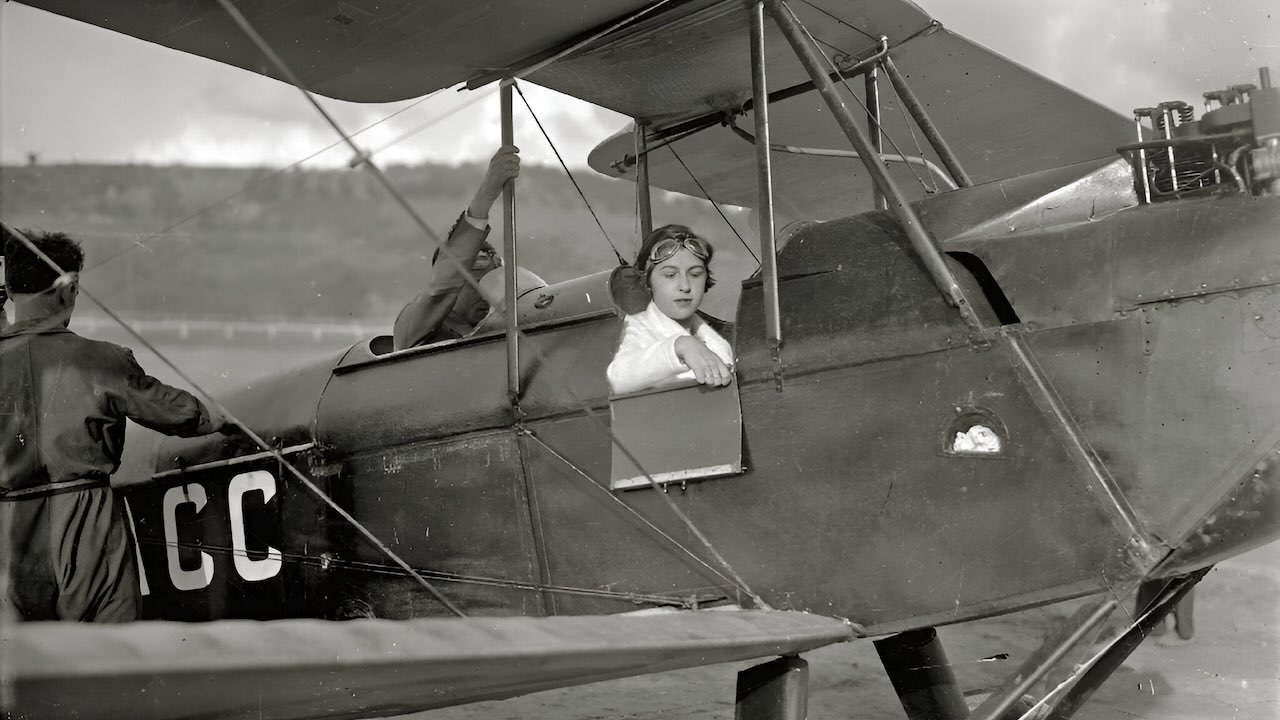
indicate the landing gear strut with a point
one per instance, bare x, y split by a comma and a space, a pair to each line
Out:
922, 677
1084, 687
776, 690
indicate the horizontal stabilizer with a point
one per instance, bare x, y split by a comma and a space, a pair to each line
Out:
366, 668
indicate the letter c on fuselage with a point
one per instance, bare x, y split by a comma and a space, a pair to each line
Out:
248, 568
184, 579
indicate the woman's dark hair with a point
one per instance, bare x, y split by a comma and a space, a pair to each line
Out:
663, 233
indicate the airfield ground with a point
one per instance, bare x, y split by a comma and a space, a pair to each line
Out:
1230, 670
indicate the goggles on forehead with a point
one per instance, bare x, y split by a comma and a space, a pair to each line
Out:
664, 249
486, 259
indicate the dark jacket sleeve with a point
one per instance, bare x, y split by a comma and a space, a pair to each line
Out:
165, 409
425, 313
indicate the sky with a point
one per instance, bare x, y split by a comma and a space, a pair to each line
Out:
70, 92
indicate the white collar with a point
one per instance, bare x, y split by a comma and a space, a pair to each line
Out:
661, 321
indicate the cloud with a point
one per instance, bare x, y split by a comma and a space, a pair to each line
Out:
1126, 54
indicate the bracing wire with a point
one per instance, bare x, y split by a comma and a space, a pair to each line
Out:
306, 482
429, 123
849, 89
573, 180
714, 204
632, 512
255, 182
258, 181
933, 176
840, 21
462, 579
362, 157
448, 256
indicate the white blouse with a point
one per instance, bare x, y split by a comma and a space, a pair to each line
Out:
647, 357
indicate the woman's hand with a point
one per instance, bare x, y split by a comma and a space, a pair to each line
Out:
707, 367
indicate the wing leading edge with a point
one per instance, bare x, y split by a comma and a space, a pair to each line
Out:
357, 50
368, 668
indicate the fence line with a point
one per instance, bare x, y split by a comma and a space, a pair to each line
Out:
184, 328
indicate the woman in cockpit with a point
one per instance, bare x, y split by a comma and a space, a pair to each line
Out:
664, 339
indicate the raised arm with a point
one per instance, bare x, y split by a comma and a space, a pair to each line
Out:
425, 313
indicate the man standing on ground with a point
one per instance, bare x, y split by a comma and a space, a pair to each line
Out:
66, 543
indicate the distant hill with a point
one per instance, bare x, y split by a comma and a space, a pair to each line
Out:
259, 243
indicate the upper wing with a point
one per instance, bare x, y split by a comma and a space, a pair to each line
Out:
366, 668
999, 118
358, 50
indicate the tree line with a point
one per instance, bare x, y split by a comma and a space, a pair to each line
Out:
262, 243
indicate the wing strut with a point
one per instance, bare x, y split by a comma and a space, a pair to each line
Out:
916, 108
764, 193
644, 205
921, 241
871, 83
510, 296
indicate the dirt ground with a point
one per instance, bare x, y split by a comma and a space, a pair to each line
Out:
1231, 669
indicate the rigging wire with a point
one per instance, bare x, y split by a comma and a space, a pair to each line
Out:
522, 74
255, 182
848, 88
325, 562
581, 194
466, 276
841, 21
429, 123
633, 512
935, 173
362, 157
176, 257
714, 204
306, 482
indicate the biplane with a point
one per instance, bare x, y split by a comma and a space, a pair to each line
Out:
1022, 363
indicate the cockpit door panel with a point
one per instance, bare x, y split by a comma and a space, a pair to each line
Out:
675, 434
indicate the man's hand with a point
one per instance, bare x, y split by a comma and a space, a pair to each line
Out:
707, 367
504, 166
230, 429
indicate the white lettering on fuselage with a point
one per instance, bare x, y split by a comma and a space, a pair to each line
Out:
184, 579
247, 568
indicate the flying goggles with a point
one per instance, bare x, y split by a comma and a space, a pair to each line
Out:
664, 249
486, 259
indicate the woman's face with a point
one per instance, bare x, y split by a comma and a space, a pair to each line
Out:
678, 284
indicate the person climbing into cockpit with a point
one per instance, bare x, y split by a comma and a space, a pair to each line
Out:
450, 307
664, 338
